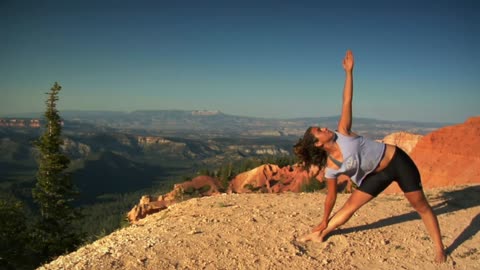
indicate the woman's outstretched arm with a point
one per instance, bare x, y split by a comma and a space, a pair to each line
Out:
330, 200
329, 204
345, 123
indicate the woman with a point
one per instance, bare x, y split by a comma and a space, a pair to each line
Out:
373, 166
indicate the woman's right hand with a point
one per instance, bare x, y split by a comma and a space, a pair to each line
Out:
348, 61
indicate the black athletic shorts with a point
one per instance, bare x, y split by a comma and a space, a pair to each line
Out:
401, 169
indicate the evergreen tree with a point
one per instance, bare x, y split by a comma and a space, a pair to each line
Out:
226, 174
13, 234
54, 191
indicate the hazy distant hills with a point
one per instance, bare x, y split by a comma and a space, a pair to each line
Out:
215, 123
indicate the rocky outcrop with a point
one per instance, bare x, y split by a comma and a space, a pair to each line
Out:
75, 150
448, 156
147, 206
197, 187
20, 123
404, 140
270, 178
149, 140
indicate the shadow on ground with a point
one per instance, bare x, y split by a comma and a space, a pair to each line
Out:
453, 201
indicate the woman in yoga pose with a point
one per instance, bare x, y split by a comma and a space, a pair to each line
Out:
371, 165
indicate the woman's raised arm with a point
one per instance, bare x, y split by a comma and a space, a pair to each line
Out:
345, 123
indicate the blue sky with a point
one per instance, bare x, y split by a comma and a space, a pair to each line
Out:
415, 60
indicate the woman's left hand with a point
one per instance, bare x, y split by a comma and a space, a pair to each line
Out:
348, 61
314, 237
320, 227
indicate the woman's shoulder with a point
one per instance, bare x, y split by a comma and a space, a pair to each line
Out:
343, 135
347, 134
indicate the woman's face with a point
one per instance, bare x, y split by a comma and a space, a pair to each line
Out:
322, 134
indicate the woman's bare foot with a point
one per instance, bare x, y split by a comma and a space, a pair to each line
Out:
314, 237
440, 256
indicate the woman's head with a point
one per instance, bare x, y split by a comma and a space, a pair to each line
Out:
323, 135
309, 148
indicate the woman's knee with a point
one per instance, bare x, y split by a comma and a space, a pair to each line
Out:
423, 207
418, 201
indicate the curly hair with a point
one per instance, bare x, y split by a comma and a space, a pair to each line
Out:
308, 153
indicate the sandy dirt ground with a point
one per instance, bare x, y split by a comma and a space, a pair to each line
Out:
260, 231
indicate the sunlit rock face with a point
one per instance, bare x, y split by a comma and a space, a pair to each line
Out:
449, 156
404, 140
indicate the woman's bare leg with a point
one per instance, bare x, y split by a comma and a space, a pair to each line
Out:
420, 204
356, 200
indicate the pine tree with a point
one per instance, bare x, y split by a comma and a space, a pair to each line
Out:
54, 190
13, 234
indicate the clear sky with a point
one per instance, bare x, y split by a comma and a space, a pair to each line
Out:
414, 60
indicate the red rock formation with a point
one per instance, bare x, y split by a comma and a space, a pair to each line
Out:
12, 122
404, 140
199, 186
448, 156
147, 205
20, 123
34, 123
270, 178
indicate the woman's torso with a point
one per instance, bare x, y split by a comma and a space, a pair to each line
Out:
359, 157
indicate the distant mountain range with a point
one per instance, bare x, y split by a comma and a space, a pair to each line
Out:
198, 124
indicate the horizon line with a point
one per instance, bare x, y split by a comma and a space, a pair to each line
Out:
219, 112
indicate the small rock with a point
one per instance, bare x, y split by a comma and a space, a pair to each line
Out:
294, 214
105, 250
